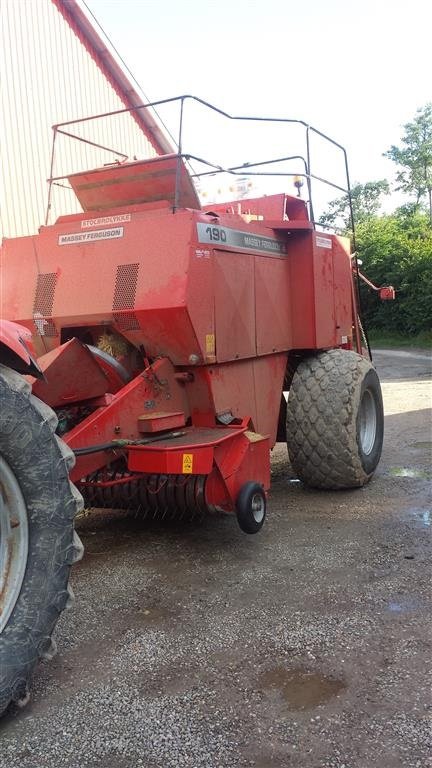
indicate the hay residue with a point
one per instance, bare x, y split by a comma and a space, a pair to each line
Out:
113, 345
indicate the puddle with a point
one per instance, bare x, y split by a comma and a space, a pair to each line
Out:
301, 689
409, 604
410, 472
420, 515
395, 607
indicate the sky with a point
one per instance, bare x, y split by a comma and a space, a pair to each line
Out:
356, 70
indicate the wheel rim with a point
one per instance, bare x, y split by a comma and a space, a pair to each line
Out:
258, 507
13, 541
368, 422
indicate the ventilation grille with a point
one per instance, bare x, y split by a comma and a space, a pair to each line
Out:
124, 297
43, 304
126, 321
125, 286
44, 298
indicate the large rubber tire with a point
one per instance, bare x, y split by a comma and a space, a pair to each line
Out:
335, 420
37, 464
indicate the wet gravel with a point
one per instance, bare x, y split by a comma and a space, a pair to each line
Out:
307, 646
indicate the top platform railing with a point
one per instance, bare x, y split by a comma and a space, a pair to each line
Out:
259, 169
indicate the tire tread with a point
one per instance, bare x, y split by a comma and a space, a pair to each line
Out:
322, 444
22, 647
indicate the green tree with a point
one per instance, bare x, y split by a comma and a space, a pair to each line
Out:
414, 157
366, 202
396, 249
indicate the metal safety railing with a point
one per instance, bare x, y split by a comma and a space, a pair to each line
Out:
212, 168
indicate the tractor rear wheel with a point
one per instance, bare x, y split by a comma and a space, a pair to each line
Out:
335, 420
38, 543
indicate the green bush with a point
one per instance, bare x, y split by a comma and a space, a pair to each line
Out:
397, 250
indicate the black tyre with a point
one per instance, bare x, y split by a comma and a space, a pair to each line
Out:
335, 420
251, 507
38, 543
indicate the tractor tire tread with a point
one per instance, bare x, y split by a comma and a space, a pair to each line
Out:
41, 463
322, 443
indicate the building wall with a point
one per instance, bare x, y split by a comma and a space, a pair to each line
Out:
47, 77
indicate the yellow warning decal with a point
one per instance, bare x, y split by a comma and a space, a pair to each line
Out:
187, 463
210, 343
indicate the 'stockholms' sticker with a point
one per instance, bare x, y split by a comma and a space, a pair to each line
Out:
75, 238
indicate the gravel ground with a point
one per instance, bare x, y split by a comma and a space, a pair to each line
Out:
307, 646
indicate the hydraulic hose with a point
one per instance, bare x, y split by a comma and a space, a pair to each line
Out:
114, 444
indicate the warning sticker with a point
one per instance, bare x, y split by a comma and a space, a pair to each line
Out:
210, 343
323, 242
202, 253
90, 237
187, 463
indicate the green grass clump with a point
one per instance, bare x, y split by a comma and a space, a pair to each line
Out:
379, 337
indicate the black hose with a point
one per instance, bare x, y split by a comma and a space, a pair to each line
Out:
96, 448
115, 444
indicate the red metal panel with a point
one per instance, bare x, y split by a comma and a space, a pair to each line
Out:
200, 396
149, 423
234, 292
188, 461
273, 309
245, 458
255, 466
233, 389
18, 269
320, 292
342, 290
268, 375
200, 301
250, 388
71, 375
301, 296
144, 181
325, 324
194, 437
190, 453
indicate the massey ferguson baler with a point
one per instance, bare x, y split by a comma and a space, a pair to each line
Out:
167, 337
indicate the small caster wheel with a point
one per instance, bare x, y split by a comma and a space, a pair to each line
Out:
251, 507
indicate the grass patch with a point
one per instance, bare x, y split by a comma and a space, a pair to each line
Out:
391, 339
